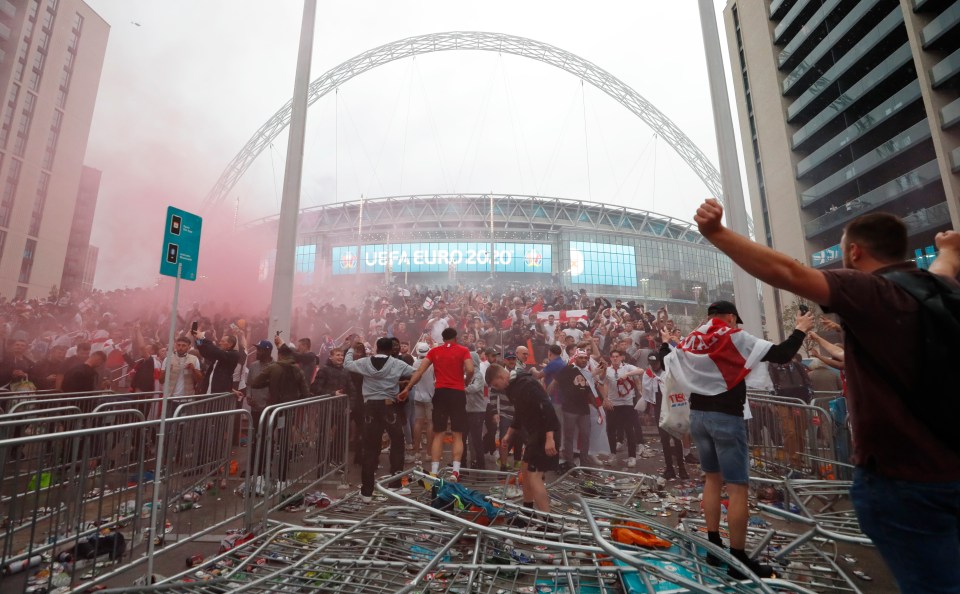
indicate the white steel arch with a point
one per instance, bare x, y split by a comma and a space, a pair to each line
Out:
482, 41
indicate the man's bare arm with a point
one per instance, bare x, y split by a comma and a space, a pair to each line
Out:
767, 265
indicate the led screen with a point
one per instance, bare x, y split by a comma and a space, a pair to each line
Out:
441, 256
603, 264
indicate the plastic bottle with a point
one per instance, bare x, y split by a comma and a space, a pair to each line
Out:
18, 566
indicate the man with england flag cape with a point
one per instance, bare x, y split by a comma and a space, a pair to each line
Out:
713, 366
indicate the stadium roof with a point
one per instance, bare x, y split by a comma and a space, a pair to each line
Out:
472, 212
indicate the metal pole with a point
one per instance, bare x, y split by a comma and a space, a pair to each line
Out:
281, 304
161, 433
744, 286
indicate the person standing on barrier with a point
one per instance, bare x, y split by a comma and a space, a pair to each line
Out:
453, 370
258, 399
712, 365
906, 486
537, 421
381, 384
286, 383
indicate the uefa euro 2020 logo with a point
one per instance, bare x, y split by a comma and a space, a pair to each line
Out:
348, 260
534, 259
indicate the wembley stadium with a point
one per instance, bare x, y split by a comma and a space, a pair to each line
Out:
442, 239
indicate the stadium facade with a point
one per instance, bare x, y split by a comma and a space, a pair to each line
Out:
442, 239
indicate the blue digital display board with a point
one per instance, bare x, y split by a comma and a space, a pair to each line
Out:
603, 264
442, 257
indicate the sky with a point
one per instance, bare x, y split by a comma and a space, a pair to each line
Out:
185, 84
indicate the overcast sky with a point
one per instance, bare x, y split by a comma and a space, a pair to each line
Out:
185, 84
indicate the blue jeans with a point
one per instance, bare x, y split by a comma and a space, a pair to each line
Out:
916, 528
721, 444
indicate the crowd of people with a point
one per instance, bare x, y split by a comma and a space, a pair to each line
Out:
543, 378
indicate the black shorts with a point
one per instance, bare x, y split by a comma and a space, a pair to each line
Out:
450, 404
535, 455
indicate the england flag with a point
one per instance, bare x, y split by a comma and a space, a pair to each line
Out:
716, 357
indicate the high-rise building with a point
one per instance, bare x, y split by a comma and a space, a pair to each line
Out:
51, 57
76, 262
846, 107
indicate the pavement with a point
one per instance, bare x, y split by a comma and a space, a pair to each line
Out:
172, 559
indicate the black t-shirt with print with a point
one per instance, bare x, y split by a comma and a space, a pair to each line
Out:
576, 397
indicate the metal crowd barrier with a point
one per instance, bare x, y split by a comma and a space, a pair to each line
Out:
74, 500
299, 445
790, 438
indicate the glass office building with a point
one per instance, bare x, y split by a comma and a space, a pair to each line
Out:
442, 239
847, 107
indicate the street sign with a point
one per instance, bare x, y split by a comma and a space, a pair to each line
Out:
181, 244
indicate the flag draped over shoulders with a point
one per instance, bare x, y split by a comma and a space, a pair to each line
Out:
716, 357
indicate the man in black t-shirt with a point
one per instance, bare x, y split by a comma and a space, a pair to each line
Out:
578, 392
537, 420
84, 378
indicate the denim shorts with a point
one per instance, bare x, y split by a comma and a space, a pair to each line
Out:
721, 444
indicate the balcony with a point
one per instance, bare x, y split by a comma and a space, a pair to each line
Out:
945, 23
945, 70
867, 84
950, 115
927, 218
955, 160
891, 107
914, 180
845, 64
8, 9
891, 149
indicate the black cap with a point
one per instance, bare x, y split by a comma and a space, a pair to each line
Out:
724, 307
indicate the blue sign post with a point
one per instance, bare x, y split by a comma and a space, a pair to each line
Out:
181, 250
181, 244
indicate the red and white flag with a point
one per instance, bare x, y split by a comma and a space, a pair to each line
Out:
716, 357
563, 316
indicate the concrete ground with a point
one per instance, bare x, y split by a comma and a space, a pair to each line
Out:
172, 560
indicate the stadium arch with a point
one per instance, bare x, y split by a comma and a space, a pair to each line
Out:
476, 41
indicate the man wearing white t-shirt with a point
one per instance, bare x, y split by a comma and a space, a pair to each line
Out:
622, 392
550, 330
184, 369
436, 325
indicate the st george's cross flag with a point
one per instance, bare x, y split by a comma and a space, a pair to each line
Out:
563, 316
716, 357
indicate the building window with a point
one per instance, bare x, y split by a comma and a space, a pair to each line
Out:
23, 130
26, 266
34, 9
8, 110
39, 202
9, 192
3, 242
78, 22
50, 152
21, 294
22, 58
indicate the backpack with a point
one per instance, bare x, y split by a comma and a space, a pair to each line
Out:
938, 407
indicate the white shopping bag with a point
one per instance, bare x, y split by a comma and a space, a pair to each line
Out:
675, 410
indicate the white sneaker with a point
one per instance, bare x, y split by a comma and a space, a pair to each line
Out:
366, 498
401, 490
258, 486
631, 462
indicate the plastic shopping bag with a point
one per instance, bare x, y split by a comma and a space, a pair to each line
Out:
675, 411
